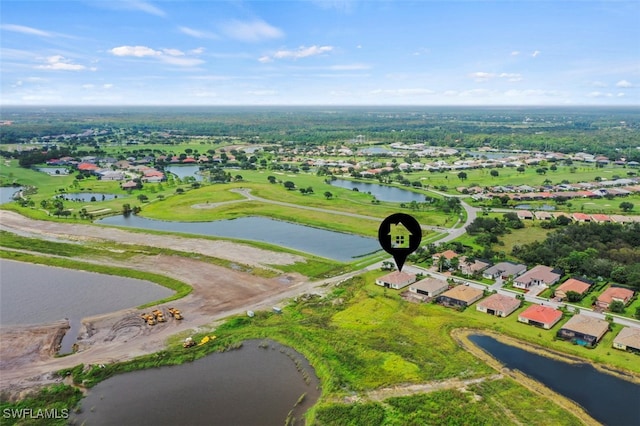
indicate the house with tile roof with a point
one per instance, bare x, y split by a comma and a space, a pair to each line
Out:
429, 287
628, 339
538, 275
614, 294
460, 296
540, 316
499, 305
396, 280
584, 330
505, 270
572, 284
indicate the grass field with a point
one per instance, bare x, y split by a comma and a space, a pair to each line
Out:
362, 337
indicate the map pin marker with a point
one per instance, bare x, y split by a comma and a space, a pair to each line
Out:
400, 235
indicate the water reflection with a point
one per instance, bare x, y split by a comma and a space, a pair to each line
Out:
329, 244
606, 398
259, 384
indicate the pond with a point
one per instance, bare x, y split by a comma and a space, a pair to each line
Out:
320, 242
53, 171
489, 155
545, 207
88, 196
374, 151
185, 171
7, 193
606, 398
33, 294
381, 192
258, 384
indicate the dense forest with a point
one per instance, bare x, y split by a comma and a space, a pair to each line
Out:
610, 251
612, 132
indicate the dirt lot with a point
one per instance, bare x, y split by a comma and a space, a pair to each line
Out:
26, 355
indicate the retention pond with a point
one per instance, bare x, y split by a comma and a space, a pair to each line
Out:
260, 384
607, 398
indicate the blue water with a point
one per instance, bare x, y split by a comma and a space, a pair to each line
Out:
381, 192
320, 242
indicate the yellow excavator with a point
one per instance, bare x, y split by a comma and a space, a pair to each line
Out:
148, 318
175, 313
157, 313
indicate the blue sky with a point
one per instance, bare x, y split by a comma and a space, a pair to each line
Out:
475, 52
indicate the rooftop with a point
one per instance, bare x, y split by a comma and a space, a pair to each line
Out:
463, 293
587, 325
500, 302
541, 314
629, 336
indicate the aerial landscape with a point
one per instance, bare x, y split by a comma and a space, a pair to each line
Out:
192, 213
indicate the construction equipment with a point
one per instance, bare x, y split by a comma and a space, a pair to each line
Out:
175, 313
157, 313
148, 318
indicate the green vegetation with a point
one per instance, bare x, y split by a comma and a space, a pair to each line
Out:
361, 337
51, 405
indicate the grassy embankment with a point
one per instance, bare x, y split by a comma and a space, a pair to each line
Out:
362, 337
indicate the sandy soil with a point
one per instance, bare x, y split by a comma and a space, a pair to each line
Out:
27, 353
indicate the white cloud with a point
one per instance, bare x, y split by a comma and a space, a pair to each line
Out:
301, 52
197, 33
88, 86
403, 92
26, 30
262, 92
169, 56
107, 86
137, 51
515, 53
135, 5
598, 84
600, 95
536, 53
624, 83
252, 31
60, 63
513, 77
482, 76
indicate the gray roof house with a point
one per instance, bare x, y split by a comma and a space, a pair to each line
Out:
505, 270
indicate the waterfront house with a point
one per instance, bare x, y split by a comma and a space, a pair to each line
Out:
499, 305
628, 339
540, 316
460, 296
396, 280
584, 330
538, 275
430, 287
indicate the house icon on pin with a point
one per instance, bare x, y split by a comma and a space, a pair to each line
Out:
399, 235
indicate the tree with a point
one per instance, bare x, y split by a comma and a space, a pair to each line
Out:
271, 179
616, 306
520, 169
573, 296
626, 206
494, 173
462, 176
328, 195
289, 185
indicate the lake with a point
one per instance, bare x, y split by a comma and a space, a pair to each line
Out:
249, 386
32, 294
87, 196
320, 242
185, 171
7, 193
606, 398
381, 192
53, 170
545, 207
